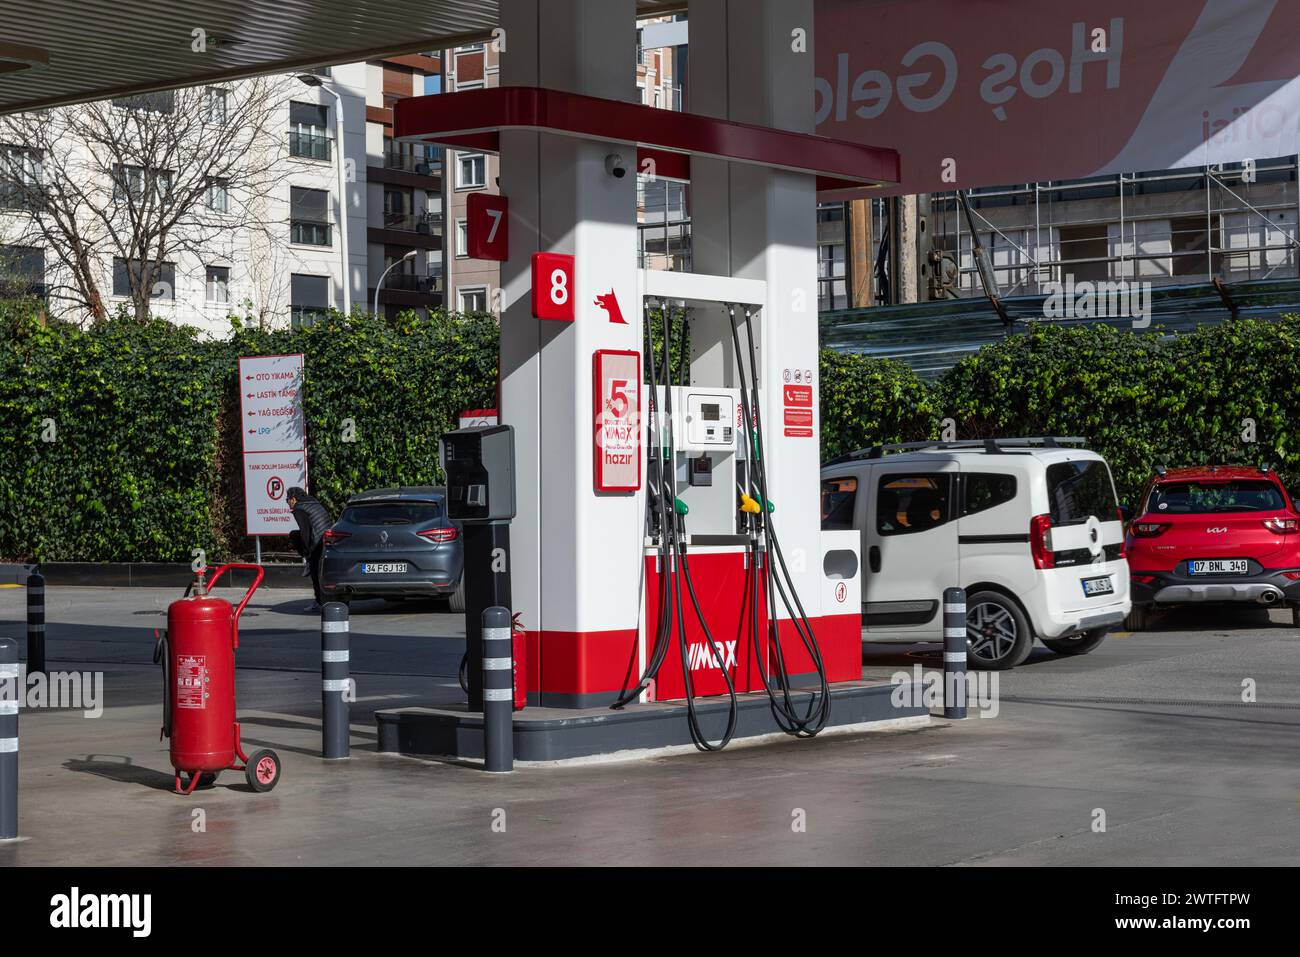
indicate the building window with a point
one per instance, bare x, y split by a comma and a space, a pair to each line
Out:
218, 284
219, 195
216, 106
127, 272
22, 271
20, 177
1084, 251
163, 101
462, 238
309, 298
472, 298
471, 171
832, 289
309, 131
309, 216
137, 182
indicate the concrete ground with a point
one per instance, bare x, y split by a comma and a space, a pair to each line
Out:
1150, 730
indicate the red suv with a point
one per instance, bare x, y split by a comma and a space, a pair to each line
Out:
1213, 533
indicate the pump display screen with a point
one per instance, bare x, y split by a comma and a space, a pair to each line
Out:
709, 412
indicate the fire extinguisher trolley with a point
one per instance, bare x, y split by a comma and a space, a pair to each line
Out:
198, 656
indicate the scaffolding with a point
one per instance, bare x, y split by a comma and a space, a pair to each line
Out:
1226, 222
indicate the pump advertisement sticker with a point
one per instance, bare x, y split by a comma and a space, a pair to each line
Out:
191, 670
616, 386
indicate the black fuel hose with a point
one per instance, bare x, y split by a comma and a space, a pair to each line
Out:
784, 711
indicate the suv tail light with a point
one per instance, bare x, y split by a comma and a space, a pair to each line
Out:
1282, 526
1040, 541
332, 537
1123, 539
1150, 529
445, 533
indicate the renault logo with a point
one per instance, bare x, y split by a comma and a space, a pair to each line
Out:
383, 538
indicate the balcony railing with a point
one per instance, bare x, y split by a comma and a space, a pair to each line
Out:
309, 145
309, 234
410, 282
407, 162
426, 224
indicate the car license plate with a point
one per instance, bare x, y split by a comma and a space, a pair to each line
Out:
383, 568
1098, 586
1219, 566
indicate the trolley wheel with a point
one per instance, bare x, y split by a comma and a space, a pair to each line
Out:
262, 770
207, 779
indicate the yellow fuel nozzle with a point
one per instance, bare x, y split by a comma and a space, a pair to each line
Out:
751, 505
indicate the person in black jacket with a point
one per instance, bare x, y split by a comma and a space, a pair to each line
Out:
309, 537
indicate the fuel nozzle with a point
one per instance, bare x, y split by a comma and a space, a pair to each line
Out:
750, 505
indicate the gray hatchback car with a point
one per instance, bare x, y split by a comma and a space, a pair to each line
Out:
395, 543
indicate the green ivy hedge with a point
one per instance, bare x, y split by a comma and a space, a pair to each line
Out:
144, 462
107, 439
1222, 394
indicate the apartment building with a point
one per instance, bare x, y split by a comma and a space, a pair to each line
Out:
470, 282
402, 222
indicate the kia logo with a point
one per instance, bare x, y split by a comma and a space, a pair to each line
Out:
1213, 531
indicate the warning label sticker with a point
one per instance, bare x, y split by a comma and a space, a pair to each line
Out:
190, 672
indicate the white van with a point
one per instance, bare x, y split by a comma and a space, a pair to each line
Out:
1029, 527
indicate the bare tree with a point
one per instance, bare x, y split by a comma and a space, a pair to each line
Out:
143, 179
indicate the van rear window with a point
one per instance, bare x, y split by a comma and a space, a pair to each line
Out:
391, 513
1077, 490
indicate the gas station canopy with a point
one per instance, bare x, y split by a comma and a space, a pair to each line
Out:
65, 51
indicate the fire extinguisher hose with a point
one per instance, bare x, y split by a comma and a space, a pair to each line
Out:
162, 656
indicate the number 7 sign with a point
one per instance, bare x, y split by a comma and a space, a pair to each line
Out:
487, 227
553, 286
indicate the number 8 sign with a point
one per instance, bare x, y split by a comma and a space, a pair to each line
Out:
553, 286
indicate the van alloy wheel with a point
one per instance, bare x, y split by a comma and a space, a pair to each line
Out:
997, 634
990, 631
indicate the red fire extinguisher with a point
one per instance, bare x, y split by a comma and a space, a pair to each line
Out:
519, 644
519, 648
198, 656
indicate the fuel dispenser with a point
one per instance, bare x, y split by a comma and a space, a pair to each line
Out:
714, 572
479, 463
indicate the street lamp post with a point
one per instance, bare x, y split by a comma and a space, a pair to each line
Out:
384, 275
315, 81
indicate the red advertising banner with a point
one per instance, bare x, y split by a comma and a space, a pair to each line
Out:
973, 95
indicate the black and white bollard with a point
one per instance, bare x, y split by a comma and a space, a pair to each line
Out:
9, 694
336, 687
498, 690
954, 652
36, 623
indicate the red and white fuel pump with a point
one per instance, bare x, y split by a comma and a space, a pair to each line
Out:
198, 656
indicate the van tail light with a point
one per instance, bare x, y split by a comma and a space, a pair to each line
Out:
443, 533
332, 537
1040, 541
1150, 529
1282, 526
